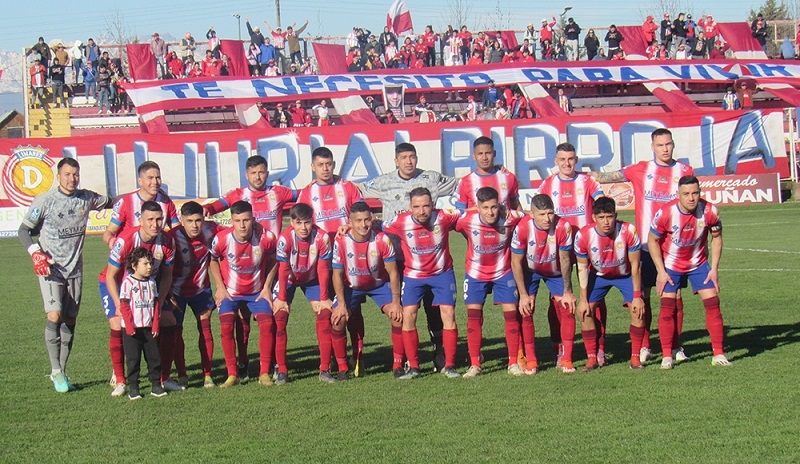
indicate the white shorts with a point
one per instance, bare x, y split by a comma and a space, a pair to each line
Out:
61, 295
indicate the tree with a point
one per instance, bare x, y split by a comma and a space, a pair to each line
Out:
456, 13
771, 10
657, 9
497, 19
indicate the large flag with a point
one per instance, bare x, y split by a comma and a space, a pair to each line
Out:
399, 18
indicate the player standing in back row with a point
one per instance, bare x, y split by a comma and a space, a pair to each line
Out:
59, 218
487, 174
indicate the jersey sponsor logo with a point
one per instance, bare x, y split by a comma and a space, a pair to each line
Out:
117, 248
27, 173
70, 232
34, 214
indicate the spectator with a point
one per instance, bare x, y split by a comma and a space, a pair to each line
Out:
44, 52
118, 81
699, 50
495, 52
730, 101
572, 31
601, 55
103, 86
281, 118
592, 44
477, 58
652, 50
613, 38
272, 69
512, 56
527, 45
649, 28
619, 55
718, 52
197, 69
256, 37
666, 31
421, 49
189, 66
92, 53
519, 106
76, 53
759, 31
293, 70
292, 37
561, 49
452, 52
62, 55
188, 46
480, 44
471, 111
787, 49
224, 65
308, 67
268, 54
300, 118
546, 31
253, 53
212, 67
547, 50
104, 60
710, 32
38, 80
681, 53
322, 113
390, 51
490, 96
500, 111
158, 48
527, 57
464, 42
530, 34
90, 81
424, 110
661, 54
213, 42
386, 38
389, 118
57, 82
175, 65
410, 35
363, 39
679, 31
691, 32
565, 101
745, 96
375, 45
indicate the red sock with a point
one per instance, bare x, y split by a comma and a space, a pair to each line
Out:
242, 337
450, 343
714, 325
666, 326
554, 322
601, 314
567, 324
398, 350
339, 341
281, 340
474, 336
180, 352
512, 335
166, 349
636, 343
648, 323
355, 325
117, 354
226, 329
411, 345
529, 339
678, 321
265, 342
205, 343
590, 343
324, 339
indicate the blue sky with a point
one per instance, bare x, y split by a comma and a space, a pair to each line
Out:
81, 20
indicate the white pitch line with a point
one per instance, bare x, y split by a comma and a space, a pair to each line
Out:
758, 250
761, 270
727, 224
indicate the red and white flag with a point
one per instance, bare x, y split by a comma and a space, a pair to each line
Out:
399, 18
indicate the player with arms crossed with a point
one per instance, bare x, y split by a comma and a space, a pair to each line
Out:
541, 249
573, 194
488, 231
59, 218
243, 267
304, 256
655, 183
679, 247
608, 253
424, 237
191, 287
487, 174
149, 235
364, 265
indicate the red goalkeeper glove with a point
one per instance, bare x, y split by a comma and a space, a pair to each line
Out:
41, 263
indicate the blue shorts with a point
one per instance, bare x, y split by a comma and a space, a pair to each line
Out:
695, 277
554, 284
108, 304
504, 290
649, 272
381, 295
600, 286
199, 303
310, 290
256, 307
443, 287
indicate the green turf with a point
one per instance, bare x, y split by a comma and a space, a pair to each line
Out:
694, 413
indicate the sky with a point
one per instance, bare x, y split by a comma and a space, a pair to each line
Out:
68, 21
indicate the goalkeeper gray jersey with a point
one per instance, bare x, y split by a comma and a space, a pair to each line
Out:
60, 221
393, 190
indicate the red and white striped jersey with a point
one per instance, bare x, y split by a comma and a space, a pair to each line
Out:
572, 198
426, 247
363, 262
503, 181
331, 202
608, 254
128, 209
244, 265
303, 255
654, 185
141, 296
540, 246
162, 247
488, 253
267, 204
192, 255
684, 237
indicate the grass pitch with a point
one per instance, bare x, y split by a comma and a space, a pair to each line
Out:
694, 413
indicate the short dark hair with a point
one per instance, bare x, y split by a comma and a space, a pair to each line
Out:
420, 192
486, 194
688, 180
321, 152
71, 162
254, 161
604, 205
483, 140
137, 254
566, 146
360, 207
241, 207
659, 132
404, 147
151, 206
542, 201
191, 208
301, 212
146, 166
